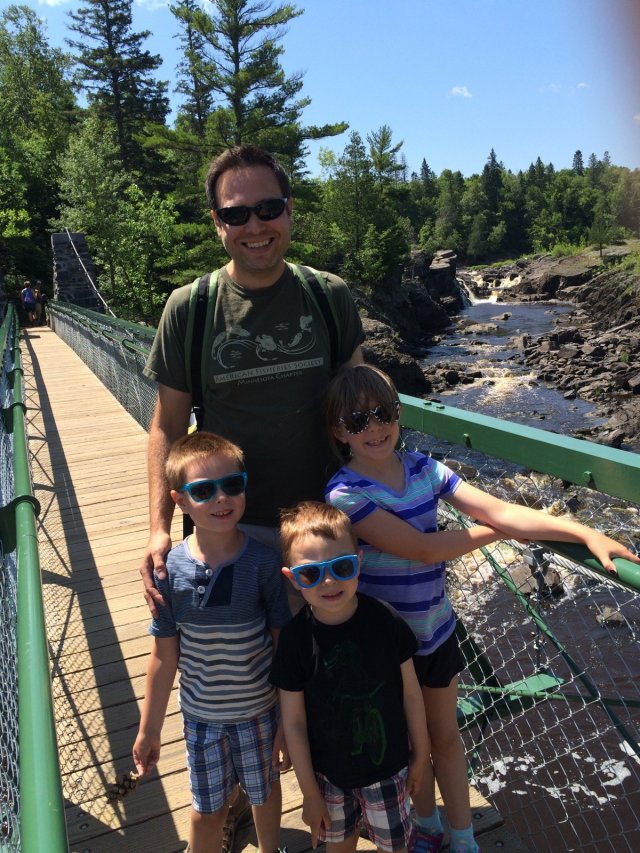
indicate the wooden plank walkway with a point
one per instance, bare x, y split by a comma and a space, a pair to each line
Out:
89, 474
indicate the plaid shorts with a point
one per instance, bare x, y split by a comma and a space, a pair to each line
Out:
384, 807
221, 754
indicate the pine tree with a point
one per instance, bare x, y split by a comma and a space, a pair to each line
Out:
193, 69
384, 155
117, 73
578, 163
254, 100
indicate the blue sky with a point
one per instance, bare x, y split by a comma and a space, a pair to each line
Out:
452, 78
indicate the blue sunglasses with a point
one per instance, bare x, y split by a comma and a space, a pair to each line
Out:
201, 491
311, 574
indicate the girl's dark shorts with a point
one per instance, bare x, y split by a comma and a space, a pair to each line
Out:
438, 668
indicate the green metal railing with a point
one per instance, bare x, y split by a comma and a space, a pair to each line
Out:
40, 805
604, 469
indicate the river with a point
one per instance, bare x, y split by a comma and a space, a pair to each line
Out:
508, 389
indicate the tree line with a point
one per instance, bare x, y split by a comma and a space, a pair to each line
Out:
85, 144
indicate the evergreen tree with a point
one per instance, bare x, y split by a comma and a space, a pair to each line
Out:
594, 170
578, 163
193, 69
492, 183
384, 155
254, 100
117, 74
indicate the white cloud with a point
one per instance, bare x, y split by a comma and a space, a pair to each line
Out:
636, 118
151, 5
461, 91
554, 88
583, 86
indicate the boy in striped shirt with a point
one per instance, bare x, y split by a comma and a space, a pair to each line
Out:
225, 603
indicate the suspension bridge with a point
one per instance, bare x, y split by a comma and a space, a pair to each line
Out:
549, 703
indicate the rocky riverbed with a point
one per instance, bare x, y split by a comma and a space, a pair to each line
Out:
592, 354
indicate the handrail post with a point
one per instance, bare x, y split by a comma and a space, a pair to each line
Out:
42, 821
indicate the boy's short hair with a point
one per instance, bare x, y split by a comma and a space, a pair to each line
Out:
239, 157
315, 518
198, 446
353, 388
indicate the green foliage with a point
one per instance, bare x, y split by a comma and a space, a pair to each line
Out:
564, 249
116, 172
624, 357
632, 262
132, 235
36, 112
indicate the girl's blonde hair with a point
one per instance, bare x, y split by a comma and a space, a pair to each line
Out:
315, 518
195, 447
354, 388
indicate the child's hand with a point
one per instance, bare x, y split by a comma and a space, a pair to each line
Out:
146, 752
280, 759
604, 548
316, 816
415, 776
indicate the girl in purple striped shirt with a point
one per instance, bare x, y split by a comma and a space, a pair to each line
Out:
391, 497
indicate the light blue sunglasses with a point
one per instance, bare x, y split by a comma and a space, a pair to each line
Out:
201, 491
311, 574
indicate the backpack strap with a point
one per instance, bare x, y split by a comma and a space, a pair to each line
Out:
317, 287
202, 302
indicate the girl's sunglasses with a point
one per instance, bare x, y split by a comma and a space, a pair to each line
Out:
201, 491
340, 568
270, 208
357, 422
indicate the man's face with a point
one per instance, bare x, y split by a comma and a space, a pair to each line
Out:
257, 248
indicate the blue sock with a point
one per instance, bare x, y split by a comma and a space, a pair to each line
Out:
431, 825
462, 841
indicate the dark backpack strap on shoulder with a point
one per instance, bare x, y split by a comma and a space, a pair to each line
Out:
201, 307
315, 284
197, 321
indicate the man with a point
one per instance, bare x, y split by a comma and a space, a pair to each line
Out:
269, 363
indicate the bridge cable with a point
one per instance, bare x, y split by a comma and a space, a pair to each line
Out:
86, 272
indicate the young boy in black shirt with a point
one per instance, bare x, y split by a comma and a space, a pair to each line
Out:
351, 705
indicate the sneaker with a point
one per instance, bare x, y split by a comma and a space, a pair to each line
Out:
422, 842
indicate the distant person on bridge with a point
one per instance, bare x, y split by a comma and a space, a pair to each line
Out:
225, 605
391, 496
270, 361
28, 299
37, 295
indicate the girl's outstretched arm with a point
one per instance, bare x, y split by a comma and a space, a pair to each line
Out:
387, 532
519, 522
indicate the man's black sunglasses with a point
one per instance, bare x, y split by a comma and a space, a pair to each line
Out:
270, 208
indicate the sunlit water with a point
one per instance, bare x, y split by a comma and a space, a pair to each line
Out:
507, 389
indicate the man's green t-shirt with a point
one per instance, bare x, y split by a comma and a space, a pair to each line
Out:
269, 366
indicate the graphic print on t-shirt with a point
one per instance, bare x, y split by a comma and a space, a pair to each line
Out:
241, 356
355, 695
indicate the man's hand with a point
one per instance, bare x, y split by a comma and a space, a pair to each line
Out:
154, 557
